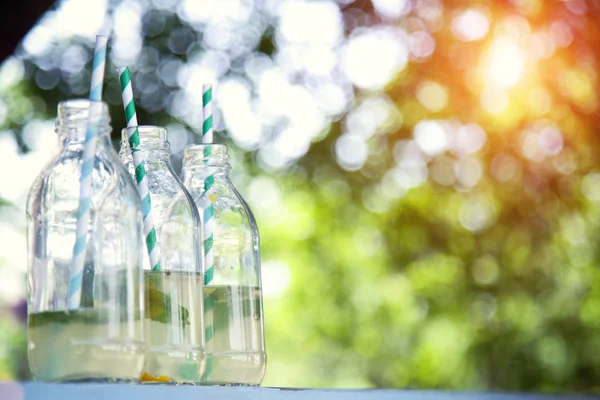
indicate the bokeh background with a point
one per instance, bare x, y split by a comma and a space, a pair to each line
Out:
424, 173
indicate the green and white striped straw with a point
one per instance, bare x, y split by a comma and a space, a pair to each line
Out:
85, 180
140, 169
207, 123
207, 138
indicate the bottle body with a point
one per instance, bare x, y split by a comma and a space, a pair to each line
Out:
102, 339
232, 287
173, 293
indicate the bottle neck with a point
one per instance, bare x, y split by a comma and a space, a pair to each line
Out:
79, 118
201, 161
150, 141
102, 141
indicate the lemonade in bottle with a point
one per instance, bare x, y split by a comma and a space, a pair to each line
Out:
232, 287
174, 328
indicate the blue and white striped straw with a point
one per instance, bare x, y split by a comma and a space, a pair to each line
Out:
85, 181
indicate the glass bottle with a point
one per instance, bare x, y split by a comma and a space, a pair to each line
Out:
102, 339
173, 294
233, 318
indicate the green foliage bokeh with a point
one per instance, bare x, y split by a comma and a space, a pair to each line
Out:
412, 290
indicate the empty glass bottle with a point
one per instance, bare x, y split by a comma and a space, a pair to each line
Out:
232, 288
102, 339
173, 292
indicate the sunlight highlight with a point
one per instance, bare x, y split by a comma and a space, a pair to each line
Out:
470, 25
373, 57
506, 63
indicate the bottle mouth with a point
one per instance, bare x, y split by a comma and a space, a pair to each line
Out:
74, 115
205, 155
150, 137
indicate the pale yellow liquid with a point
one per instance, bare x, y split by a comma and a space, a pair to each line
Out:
234, 336
84, 345
173, 326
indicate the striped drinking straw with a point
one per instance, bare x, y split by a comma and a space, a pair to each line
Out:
85, 181
139, 166
207, 138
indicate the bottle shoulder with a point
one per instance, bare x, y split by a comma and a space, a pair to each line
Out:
159, 174
169, 197
58, 182
244, 205
40, 184
231, 207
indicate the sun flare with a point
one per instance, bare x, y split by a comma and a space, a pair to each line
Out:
505, 63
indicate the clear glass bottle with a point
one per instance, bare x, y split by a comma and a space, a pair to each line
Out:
103, 338
174, 305
232, 288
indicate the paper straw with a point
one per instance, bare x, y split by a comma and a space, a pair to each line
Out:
207, 123
140, 169
85, 181
207, 138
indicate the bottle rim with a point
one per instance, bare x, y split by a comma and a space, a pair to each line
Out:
74, 114
216, 148
151, 137
205, 155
